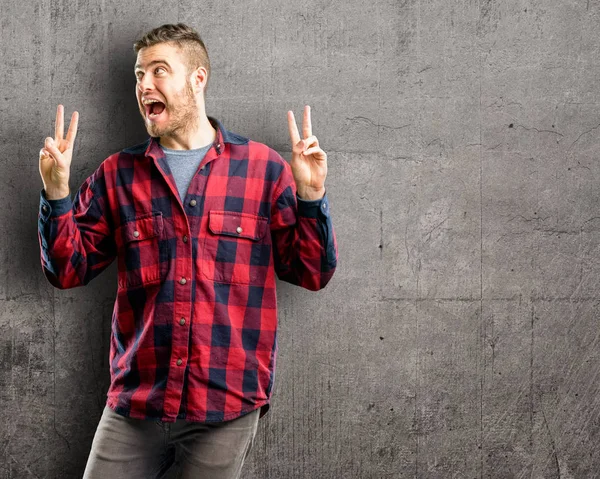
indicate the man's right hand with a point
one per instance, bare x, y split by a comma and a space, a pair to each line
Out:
55, 157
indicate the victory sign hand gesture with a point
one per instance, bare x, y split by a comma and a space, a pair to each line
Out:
55, 157
309, 161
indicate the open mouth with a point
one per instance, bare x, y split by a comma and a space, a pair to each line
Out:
154, 109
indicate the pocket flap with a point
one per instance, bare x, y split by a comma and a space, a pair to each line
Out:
238, 225
143, 227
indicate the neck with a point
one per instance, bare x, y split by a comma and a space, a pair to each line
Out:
201, 134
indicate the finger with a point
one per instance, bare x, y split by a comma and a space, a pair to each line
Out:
293, 128
306, 123
44, 155
310, 142
59, 126
46, 158
51, 147
318, 153
72, 133
299, 147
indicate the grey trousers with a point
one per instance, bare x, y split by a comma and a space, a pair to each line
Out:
134, 448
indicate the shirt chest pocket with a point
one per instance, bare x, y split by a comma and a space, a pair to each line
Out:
236, 249
143, 261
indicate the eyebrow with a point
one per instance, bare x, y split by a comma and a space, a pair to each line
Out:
152, 63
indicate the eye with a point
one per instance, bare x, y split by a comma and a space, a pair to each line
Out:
159, 70
139, 75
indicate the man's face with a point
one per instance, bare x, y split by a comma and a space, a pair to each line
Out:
164, 92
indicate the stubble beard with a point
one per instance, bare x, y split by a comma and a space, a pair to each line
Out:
184, 115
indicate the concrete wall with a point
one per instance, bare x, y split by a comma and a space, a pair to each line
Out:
459, 336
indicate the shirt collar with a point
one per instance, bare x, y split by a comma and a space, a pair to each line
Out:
223, 136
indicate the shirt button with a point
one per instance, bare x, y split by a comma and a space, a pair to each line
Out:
179, 361
45, 209
184, 239
324, 206
182, 321
182, 281
239, 230
136, 234
193, 203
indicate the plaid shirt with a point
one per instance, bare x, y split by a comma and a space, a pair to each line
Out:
195, 318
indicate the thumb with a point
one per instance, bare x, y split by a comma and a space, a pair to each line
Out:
50, 146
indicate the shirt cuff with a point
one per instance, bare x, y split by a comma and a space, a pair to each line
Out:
54, 208
313, 208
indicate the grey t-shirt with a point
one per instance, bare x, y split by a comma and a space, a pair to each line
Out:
183, 164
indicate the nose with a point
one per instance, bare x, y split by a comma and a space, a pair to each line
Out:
145, 83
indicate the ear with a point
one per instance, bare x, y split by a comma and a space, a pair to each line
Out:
199, 77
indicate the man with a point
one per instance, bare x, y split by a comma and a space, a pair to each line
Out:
200, 221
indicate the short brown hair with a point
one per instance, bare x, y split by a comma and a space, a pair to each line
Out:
185, 37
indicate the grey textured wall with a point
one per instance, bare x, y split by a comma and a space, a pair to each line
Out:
459, 336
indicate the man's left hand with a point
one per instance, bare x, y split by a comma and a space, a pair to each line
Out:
309, 161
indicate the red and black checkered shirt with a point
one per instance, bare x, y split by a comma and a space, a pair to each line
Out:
195, 318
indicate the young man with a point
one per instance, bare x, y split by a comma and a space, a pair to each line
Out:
200, 221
